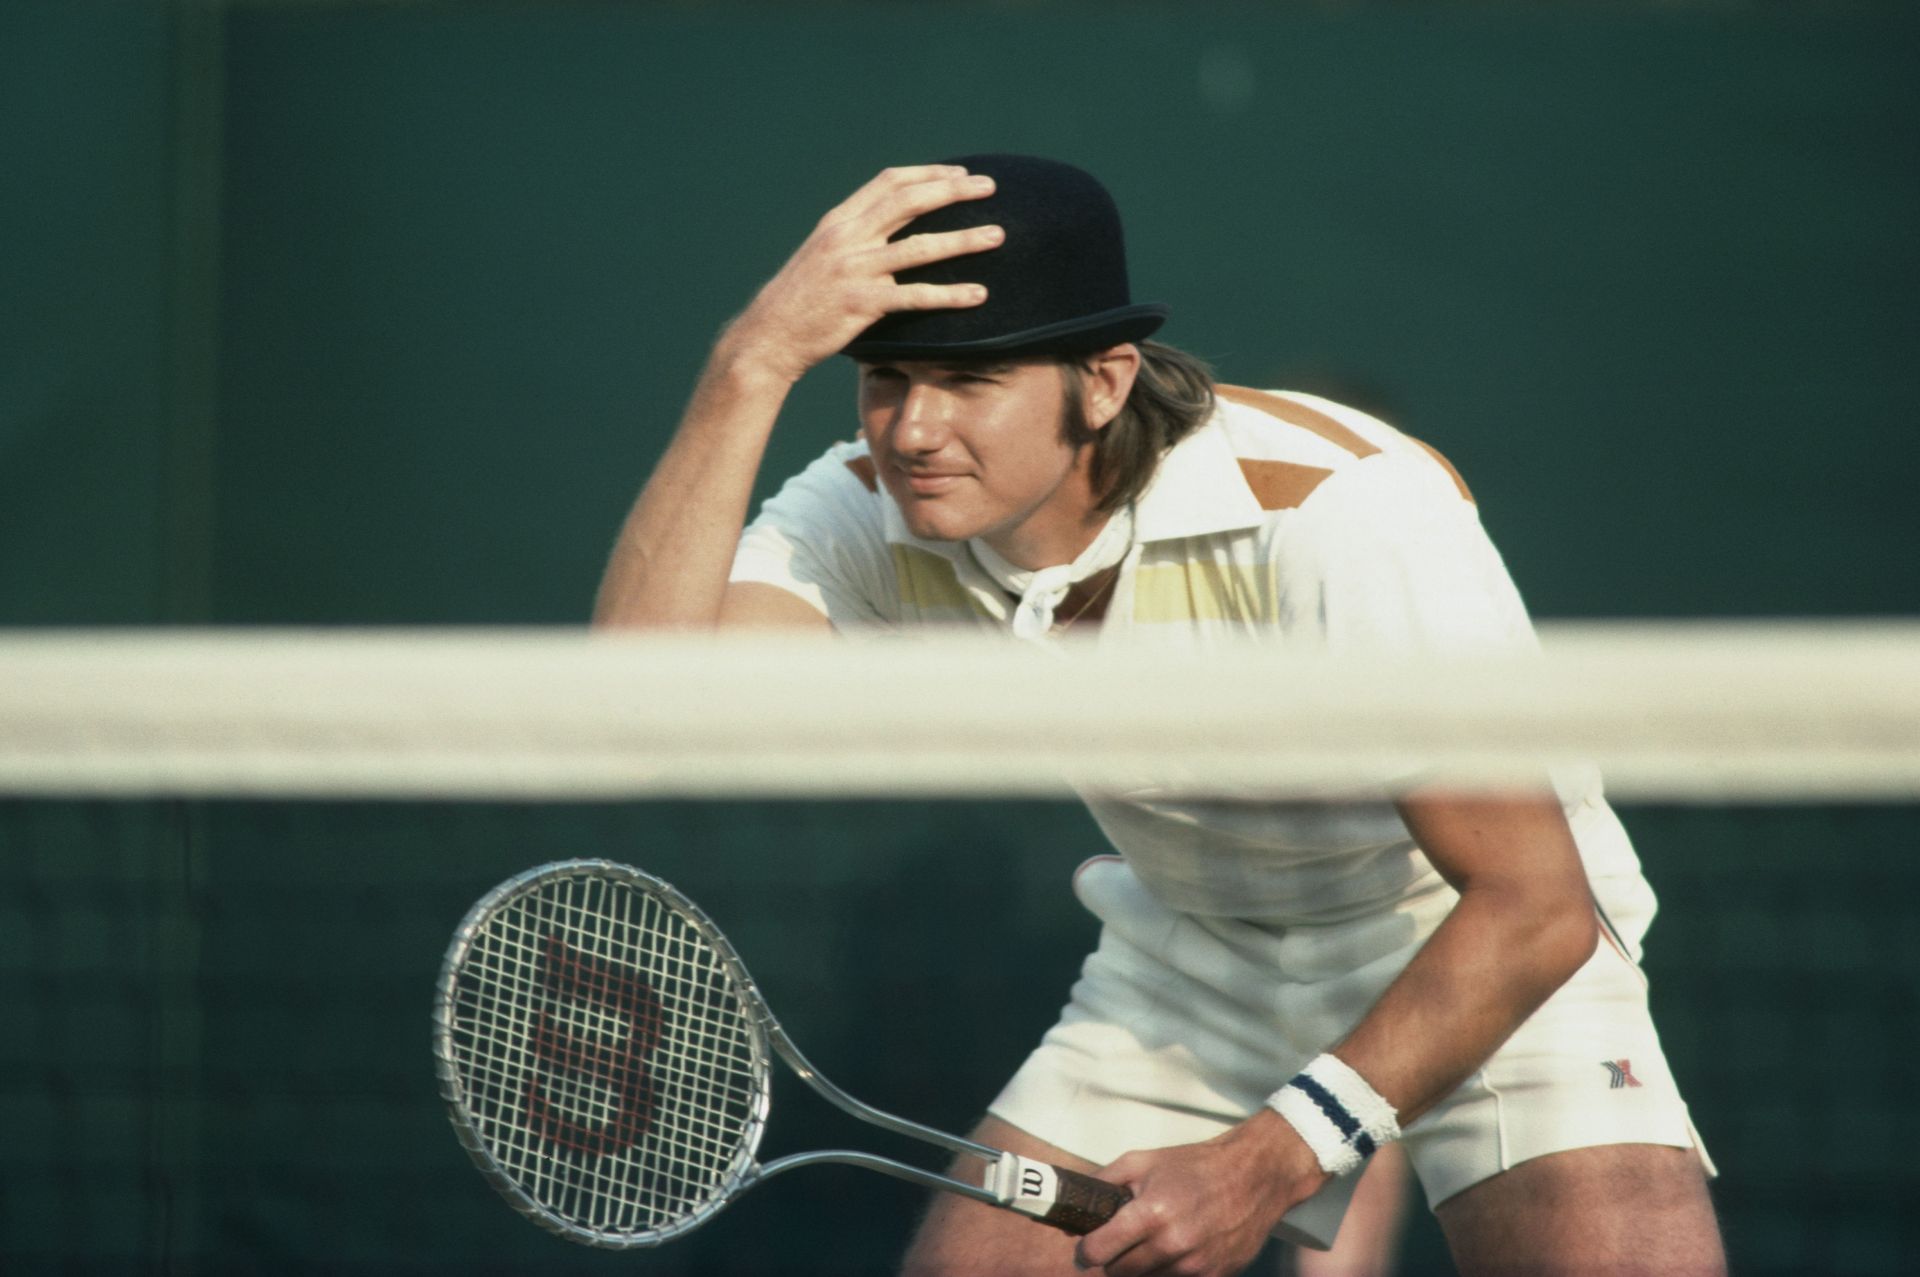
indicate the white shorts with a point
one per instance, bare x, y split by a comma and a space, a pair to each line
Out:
1181, 1026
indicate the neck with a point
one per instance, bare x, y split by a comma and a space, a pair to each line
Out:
1058, 531
1035, 548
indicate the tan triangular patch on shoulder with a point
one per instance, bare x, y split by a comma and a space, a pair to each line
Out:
1298, 414
863, 470
1281, 485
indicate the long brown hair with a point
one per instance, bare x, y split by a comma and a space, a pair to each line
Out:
1171, 396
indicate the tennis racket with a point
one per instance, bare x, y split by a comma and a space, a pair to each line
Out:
605, 1059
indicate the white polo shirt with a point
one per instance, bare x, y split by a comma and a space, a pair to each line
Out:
1286, 516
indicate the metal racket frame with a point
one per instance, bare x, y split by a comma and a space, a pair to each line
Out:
762, 1029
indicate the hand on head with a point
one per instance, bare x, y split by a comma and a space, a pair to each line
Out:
841, 279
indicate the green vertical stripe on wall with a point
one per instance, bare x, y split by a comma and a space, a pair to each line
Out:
187, 507
196, 155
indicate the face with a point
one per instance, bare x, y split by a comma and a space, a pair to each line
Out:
977, 450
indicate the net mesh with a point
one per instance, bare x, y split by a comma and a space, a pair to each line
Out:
214, 1057
601, 1050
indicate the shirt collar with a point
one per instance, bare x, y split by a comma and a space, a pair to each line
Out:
1197, 489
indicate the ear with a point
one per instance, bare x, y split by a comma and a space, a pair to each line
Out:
1107, 380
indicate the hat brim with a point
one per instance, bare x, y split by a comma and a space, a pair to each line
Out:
1069, 336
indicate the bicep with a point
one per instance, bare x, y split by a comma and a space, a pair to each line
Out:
1519, 839
1523, 887
757, 605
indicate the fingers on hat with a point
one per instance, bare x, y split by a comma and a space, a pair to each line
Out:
892, 179
903, 204
937, 296
924, 186
907, 174
936, 246
886, 182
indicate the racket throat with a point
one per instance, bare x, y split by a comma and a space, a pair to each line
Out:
886, 1166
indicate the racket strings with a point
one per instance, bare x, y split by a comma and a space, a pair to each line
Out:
607, 1057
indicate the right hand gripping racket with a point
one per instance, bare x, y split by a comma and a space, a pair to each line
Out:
604, 1055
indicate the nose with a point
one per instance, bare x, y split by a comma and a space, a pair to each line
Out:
920, 426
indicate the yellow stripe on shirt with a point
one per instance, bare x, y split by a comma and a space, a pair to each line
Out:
1204, 590
929, 590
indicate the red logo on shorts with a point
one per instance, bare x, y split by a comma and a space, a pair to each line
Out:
1619, 1073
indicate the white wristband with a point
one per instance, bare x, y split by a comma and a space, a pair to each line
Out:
1342, 1118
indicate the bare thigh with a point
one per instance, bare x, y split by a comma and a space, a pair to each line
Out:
963, 1238
1617, 1210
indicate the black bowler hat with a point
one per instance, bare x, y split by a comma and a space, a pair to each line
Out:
1057, 284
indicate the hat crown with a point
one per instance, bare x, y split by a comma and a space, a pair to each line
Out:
1056, 283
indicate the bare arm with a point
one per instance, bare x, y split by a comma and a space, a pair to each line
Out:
669, 565
1523, 925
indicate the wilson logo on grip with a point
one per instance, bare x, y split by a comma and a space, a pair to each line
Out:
599, 1074
1024, 1184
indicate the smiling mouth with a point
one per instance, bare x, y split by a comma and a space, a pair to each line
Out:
928, 483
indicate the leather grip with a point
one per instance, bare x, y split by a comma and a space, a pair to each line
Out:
1083, 1203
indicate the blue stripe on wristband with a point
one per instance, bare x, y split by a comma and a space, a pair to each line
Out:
1336, 1112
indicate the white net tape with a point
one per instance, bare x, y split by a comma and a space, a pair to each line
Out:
1712, 713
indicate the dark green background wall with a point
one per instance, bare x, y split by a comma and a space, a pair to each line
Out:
377, 313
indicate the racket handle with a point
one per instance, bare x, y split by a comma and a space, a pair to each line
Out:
1067, 1200
1083, 1202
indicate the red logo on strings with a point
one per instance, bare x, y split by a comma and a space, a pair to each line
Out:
614, 1061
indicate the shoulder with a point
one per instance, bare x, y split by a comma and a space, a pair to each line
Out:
1298, 451
823, 537
853, 460
1350, 499
843, 465
839, 486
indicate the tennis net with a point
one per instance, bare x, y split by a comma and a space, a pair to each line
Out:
232, 862
1670, 712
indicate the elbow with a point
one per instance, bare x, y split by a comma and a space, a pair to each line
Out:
1542, 934
1565, 939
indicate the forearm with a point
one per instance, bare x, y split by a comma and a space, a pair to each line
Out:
1498, 956
1523, 925
669, 566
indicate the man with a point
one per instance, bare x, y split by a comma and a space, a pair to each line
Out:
1280, 987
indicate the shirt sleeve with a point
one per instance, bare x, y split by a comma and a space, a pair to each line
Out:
1396, 562
1389, 558
822, 538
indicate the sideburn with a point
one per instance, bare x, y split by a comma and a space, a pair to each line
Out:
1075, 432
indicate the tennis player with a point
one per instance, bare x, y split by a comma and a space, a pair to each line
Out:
1280, 988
